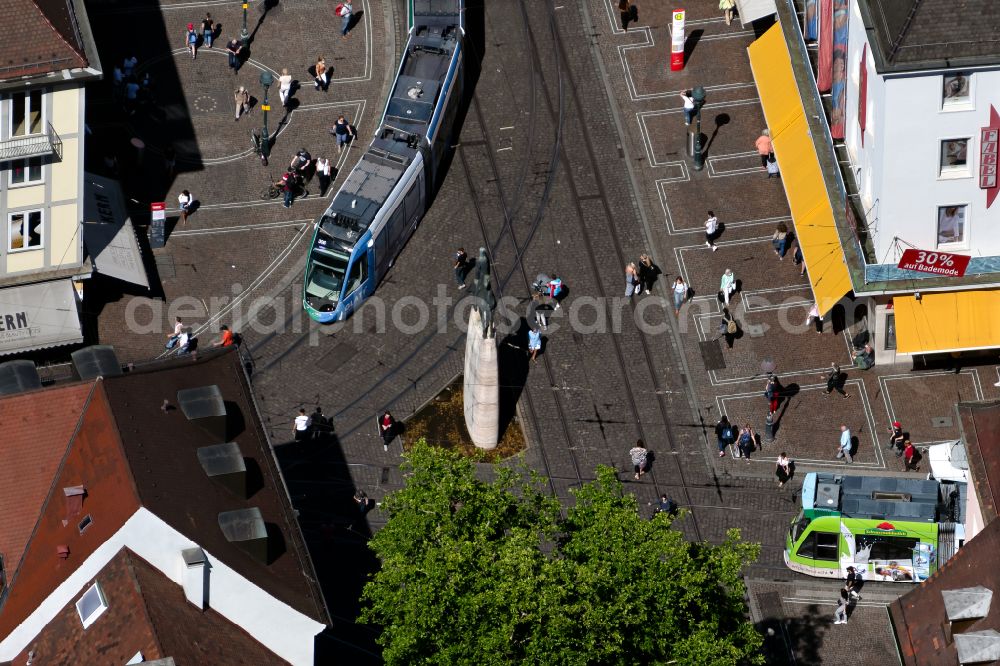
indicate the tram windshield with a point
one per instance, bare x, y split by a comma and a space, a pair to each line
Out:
327, 277
799, 526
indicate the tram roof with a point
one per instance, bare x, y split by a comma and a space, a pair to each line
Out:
876, 497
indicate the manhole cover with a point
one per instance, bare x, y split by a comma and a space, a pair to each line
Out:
711, 354
205, 104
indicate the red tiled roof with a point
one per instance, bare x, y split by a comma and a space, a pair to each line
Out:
919, 618
37, 428
147, 613
980, 424
94, 459
39, 36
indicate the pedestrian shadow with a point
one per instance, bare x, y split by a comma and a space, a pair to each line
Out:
513, 367
355, 20
787, 393
789, 641
720, 121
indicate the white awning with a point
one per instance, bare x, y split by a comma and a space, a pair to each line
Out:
751, 10
108, 233
37, 316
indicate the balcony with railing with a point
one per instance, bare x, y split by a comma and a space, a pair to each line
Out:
32, 145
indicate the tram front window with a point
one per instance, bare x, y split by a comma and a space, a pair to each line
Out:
327, 275
799, 526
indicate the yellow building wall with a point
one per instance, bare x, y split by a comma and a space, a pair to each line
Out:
28, 260
29, 196
65, 174
64, 241
66, 110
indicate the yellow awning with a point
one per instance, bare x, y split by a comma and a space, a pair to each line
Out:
947, 321
812, 213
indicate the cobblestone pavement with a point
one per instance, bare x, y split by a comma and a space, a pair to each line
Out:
570, 159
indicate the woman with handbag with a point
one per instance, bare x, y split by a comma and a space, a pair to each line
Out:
728, 328
783, 469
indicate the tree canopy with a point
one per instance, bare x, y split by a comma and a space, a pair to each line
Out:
495, 572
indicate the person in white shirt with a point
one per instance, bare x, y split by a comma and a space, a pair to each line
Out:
345, 12
689, 108
711, 229
301, 427
727, 285
285, 86
184, 200
323, 173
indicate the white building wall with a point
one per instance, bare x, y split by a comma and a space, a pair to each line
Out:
898, 169
279, 627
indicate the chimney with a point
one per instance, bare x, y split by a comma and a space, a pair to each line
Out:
194, 577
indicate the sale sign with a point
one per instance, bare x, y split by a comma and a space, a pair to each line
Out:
939, 263
677, 42
988, 141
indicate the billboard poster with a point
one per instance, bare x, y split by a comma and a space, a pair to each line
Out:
838, 88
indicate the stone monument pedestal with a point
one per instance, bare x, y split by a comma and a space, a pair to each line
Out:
481, 394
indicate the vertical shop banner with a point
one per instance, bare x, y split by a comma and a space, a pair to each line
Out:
838, 89
863, 92
824, 73
677, 42
988, 143
811, 20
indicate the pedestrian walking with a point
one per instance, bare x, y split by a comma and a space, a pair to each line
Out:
840, 615
728, 328
346, 12
746, 443
555, 286
387, 429
362, 501
322, 74
288, 188
324, 171
343, 131
534, 343
184, 201
639, 455
233, 49
536, 312
689, 106
284, 86
772, 393
764, 147
729, 8
910, 457
207, 30
191, 39
647, 272
628, 13
680, 292
301, 427
319, 424
897, 440
631, 279
711, 230
779, 240
783, 469
799, 260
835, 381
853, 583
814, 317
242, 99
844, 448
725, 434
459, 262
727, 286
772, 168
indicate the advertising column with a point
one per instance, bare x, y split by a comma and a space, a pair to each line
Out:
677, 42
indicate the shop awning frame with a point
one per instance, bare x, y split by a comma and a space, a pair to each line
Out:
801, 174
947, 321
39, 316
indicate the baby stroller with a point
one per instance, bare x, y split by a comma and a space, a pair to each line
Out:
541, 284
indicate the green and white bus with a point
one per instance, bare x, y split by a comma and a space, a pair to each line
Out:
888, 528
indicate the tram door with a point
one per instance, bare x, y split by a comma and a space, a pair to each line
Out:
357, 283
819, 550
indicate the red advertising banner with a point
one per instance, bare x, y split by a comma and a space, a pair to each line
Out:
939, 263
988, 157
677, 42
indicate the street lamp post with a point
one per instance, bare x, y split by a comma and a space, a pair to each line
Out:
266, 79
245, 34
698, 95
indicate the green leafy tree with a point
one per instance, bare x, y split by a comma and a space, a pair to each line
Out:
493, 572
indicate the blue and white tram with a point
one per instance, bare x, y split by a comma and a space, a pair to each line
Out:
385, 196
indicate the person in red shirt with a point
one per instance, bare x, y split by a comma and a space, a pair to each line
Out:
910, 456
387, 428
225, 337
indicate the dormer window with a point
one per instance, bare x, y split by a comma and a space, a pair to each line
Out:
91, 605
